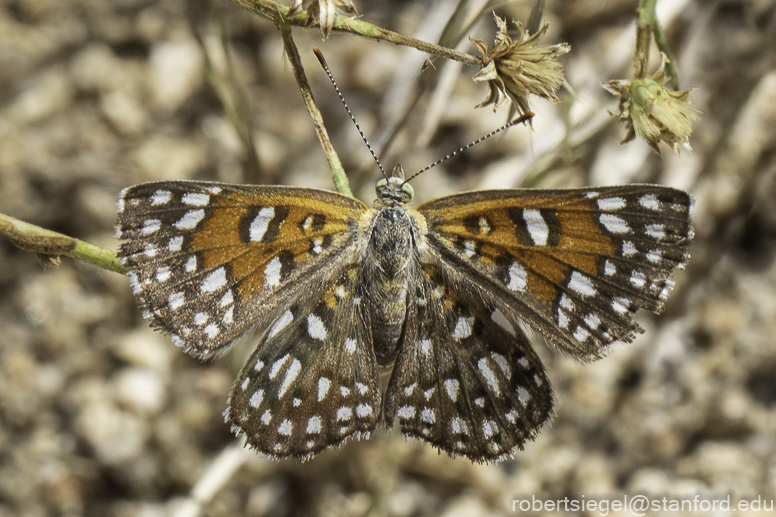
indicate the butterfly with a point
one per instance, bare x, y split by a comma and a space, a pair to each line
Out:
433, 300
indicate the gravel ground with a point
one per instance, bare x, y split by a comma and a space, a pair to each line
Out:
101, 416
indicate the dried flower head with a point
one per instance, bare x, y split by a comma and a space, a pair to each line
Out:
515, 69
653, 112
322, 12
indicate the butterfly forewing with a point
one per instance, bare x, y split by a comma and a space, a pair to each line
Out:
463, 381
313, 380
574, 264
212, 260
308, 270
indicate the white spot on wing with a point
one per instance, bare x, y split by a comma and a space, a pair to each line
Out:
458, 426
260, 223
451, 386
463, 328
256, 398
323, 388
151, 226
344, 413
363, 410
620, 305
175, 300
536, 226
350, 345
518, 278
592, 321
314, 425
613, 223
214, 281
427, 415
609, 269
638, 279
277, 365
501, 361
581, 334
160, 197
190, 219
656, 231
272, 272
163, 274
563, 319
611, 203
628, 249
285, 427
406, 412
581, 284
655, 256
195, 199
315, 327
291, 374
489, 428
650, 202
489, 376
469, 250
175, 243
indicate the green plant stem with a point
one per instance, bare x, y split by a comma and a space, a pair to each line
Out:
47, 244
277, 12
647, 27
337, 171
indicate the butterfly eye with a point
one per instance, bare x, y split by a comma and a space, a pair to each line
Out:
407, 191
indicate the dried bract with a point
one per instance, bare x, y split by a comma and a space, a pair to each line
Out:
322, 12
653, 112
516, 68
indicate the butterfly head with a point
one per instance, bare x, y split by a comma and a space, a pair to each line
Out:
393, 191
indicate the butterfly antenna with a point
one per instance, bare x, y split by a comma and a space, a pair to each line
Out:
524, 118
321, 59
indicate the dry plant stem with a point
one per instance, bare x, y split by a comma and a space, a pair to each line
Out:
46, 243
227, 88
218, 473
648, 26
276, 13
535, 20
337, 171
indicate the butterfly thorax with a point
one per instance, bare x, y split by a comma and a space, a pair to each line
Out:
389, 261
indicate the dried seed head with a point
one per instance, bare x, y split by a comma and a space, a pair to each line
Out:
514, 69
322, 12
653, 112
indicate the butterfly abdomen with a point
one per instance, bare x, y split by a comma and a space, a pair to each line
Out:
387, 270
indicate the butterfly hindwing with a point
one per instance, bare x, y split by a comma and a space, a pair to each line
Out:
463, 381
211, 260
574, 264
332, 288
313, 380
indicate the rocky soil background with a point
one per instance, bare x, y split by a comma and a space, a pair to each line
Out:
101, 416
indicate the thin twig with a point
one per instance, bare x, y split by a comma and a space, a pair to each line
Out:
337, 171
276, 12
48, 245
647, 27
